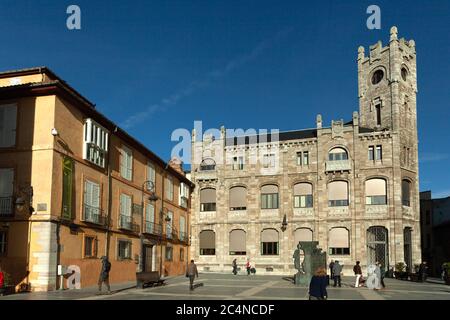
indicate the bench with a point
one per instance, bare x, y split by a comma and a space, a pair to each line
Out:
145, 279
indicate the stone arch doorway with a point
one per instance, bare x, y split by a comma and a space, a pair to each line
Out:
377, 246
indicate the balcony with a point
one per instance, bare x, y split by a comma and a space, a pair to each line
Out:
126, 222
337, 165
183, 236
93, 215
6, 206
152, 228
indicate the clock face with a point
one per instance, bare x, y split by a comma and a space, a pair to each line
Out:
377, 76
404, 74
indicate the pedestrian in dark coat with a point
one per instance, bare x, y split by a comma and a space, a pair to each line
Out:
104, 274
234, 267
192, 272
423, 270
337, 270
318, 285
330, 266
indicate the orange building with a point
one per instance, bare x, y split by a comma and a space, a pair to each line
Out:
75, 187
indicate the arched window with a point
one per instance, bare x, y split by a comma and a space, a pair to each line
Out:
376, 191
338, 194
208, 199
339, 241
208, 164
302, 234
269, 197
238, 198
303, 196
337, 154
238, 242
207, 243
269, 242
377, 76
406, 192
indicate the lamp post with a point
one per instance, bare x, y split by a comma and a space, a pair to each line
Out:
150, 186
284, 224
21, 201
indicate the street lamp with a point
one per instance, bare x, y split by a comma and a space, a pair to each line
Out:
21, 201
150, 187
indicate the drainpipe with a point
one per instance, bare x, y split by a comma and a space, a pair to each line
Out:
108, 217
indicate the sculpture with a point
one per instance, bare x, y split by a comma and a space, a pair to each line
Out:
314, 258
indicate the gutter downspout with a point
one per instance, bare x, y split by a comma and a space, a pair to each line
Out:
108, 217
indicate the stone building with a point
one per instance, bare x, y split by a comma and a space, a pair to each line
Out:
74, 187
353, 186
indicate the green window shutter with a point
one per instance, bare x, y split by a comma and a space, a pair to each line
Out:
67, 188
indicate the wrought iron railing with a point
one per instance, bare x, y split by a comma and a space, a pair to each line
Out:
152, 228
6, 206
93, 214
183, 236
125, 222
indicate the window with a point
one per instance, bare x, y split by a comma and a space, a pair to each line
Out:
151, 175
337, 154
338, 194
124, 249
181, 254
303, 197
269, 197
238, 198
404, 73
269, 242
90, 247
150, 218
126, 163
406, 192
428, 217
169, 225
169, 253
183, 195
379, 154
238, 163
67, 188
376, 192
371, 153
183, 235
91, 205
8, 120
303, 158
125, 212
237, 243
339, 241
302, 234
377, 76
207, 243
208, 165
269, 161
208, 199
6, 191
169, 188
3, 242
378, 111
95, 144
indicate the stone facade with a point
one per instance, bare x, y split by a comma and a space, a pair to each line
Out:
386, 123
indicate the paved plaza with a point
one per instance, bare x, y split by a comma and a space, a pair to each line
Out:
243, 287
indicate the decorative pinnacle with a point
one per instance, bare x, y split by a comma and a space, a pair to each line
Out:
394, 33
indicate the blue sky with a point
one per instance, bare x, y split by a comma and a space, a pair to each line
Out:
154, 66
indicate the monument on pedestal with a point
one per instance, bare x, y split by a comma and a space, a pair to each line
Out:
313, 259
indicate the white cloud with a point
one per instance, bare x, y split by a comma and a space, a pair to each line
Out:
432, 157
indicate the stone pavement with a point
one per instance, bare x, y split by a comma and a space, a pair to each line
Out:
255, 287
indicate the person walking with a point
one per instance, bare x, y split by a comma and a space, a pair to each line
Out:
358, 273
2, 282
383, 274
248, 266
318, 285
104, 274
423, 270
378, 275
331, 271
234, 267
337, 270
192, 273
